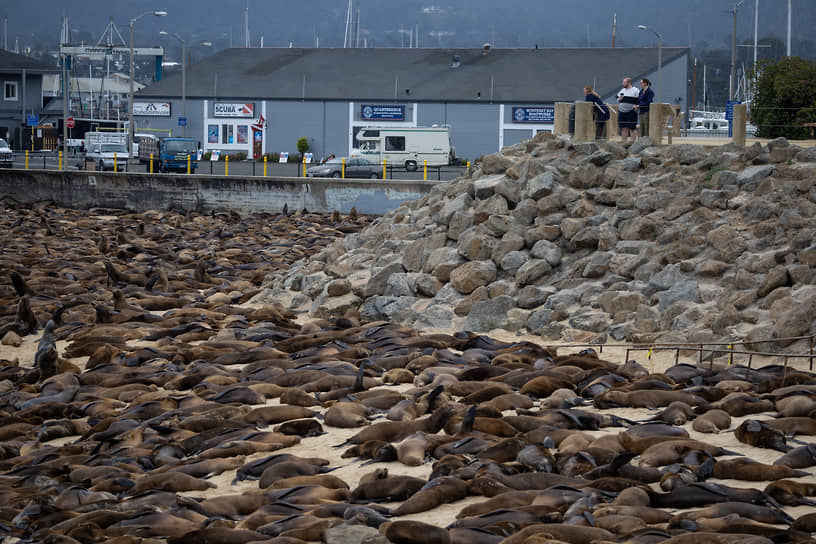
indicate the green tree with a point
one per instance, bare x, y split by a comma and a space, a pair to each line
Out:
784, 98
302, 146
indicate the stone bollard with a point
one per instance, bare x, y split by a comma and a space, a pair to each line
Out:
740, 117
658, 114
561, 124
584, 125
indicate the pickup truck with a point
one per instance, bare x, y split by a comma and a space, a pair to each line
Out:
6, 154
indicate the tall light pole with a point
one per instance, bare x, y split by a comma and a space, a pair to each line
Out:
659, 58
732, 85
130, 92
183, 78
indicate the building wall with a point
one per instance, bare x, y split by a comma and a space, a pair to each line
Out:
474, 129
13, 112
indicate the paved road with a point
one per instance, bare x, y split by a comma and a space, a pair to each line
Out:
49, 161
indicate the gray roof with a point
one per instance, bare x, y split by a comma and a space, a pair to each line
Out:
14, 63
501, 75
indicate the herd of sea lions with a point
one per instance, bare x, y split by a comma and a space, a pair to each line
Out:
153, 378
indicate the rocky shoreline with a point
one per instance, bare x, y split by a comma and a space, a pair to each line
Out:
589, 242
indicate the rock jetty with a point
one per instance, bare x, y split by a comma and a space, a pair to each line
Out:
589, 242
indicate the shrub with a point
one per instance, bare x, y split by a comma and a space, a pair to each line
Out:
784, 97
302, 146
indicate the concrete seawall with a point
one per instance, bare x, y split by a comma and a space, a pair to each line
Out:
140, 192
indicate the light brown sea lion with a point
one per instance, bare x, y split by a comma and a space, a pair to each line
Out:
644, 399
298, 397
346, 415
756, 512
639, 437
169, 481
738, 405
676, 413
703, 537
792, 426
378, 450
414, 532
711, 422
411, 450
442, 490
795, 405
390, 431
270, 415
575, 534
673, 451
287, 469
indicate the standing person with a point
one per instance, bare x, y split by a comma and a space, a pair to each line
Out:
627, 116
645, 98
600, 112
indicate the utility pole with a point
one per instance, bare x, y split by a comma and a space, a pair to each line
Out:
732, 82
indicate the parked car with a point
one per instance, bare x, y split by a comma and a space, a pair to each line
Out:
355, 168
6, 154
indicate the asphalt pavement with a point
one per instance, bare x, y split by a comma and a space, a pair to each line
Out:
50, 161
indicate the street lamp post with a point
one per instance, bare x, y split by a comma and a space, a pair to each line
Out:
659, 58
130, 92
732, 85
183, 78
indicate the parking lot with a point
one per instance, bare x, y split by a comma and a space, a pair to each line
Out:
50, 161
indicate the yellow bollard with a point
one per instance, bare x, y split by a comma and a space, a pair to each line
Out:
304, 167
226, 165
383, 169
26, 159
114, 162
60, 160
343, 168
425, 172
468, 165
151, 163
188, 163
264, 165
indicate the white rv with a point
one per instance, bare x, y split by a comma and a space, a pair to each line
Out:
405, 146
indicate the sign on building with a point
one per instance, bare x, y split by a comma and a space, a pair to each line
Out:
542, 114
382, 112
232, 109
152, 109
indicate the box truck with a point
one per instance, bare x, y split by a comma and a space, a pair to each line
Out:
103, 148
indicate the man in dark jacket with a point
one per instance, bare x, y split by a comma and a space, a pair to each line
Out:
645, 98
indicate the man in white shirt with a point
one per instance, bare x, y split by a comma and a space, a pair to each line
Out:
627, 116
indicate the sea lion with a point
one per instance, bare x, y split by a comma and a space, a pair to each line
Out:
414, 532
713, 421
801, 457
676, 413
574, 534
300, 427
169, 481
791, 493
638, 438
738, 405
673, 451
346, 415
791, 426
761, 435
392, 488
743, 468
756, 512
442, 490
644, 399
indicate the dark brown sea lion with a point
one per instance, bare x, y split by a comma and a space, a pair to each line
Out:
738, 405
801, 457
761, 435
676, 413
791, 493
743, 468
300, 427
644, 399
392, 488
574, 534
442, 490
390, 431
169, 481
792, 426
673, 451
756, 512
414, 532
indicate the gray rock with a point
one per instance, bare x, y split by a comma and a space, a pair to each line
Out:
544, 249
378, 308
807, 155
525, 212
493, 205
586, 176
749, 178
489, 314
447, 296
665, 279
590, 321
532, 296
509, 242
461, 222
588, 237
485, 187
632, 164
442, 261
354, 534
513, 260
337, 288
414, 257
541, 232
685, 291
542, 185
476, 246
711, 198
495, 164
598, 265
468, 277
379, 281
512, 190
585, 148
798, 320
600, 158
777, 277
619, 332
454, 207
497, 225
434, 317
532, 270
399, 285
615, 302
686, 153
724, 178
640, 145
727, 242
538, 320
425, 285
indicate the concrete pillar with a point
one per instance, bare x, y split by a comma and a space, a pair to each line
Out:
740, 117
612, 130
561, 125
584, 125
658, 113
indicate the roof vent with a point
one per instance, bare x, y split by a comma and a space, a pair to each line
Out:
456, 61
486, 48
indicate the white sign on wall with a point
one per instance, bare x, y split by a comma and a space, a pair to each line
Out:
230, 109
152, 109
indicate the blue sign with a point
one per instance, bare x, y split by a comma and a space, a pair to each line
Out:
32, 120
544, 114
182, 121
729, 109
382, 112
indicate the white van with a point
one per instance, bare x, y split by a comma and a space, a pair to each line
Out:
405, 146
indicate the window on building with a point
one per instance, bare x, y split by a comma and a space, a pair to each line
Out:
395, 143
212, 134
10, 90
227, 134
243, 134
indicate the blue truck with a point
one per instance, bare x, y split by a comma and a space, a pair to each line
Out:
169, 154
